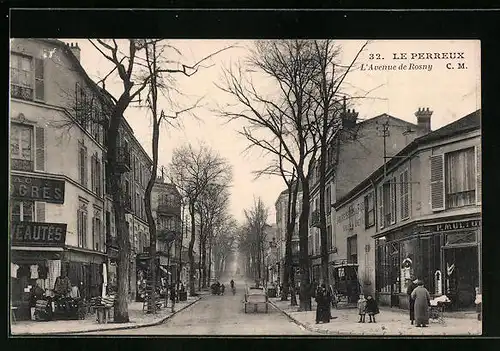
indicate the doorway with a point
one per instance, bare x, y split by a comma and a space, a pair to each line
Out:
462, 275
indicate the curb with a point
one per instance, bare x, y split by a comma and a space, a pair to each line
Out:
142, 325
331, 332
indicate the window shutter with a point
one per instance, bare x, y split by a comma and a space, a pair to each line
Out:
40, 211
381, 206
92, 173
40, 149
39, 86
437, 182
393, 194
478, 175
85, 170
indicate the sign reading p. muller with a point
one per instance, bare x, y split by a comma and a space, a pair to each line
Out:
37, 189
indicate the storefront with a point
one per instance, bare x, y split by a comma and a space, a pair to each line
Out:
35, 262
444, 254
85, 269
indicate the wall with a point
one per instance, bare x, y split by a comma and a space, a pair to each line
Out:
360, 157
365, 242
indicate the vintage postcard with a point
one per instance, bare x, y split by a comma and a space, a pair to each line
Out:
245, 187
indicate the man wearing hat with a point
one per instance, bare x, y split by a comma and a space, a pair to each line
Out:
412, 284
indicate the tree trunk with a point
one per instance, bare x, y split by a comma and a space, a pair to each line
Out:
199, 252
322, 214
305, 289
209, 260
179, 273
204, 262
122, 233
190, 250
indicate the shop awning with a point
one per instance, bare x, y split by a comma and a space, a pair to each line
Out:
41, 248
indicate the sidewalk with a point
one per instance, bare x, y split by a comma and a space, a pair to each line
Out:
389, 322
138, 319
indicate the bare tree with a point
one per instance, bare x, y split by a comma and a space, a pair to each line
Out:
327, 95
192, 171
287, 116
223, 244
212, 207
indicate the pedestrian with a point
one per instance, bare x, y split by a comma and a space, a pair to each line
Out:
412, 284
173, 296
371, 308
323, 305
362, 308
422, 302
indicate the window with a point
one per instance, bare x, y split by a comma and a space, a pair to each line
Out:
328, 200
460, 178
82, 217
24, 83
329, 237
97, 231
21, 146
82, 164
352, 249
96, 175
404, 195
350, 214
369, 210
22, 211
388, 203
388, 266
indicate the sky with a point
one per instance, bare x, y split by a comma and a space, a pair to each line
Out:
450, 91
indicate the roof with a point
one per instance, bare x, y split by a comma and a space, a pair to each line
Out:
102, 92
465, 124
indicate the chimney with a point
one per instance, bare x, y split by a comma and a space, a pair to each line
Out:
75, 49
424, 119
348, 117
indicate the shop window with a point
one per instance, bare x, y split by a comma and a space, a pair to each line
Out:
408, 250
460, 167
352, 249
22, 211
369, 210
460, 238
430, 248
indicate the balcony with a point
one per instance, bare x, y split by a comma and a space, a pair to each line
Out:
169, 208
21, 92
123, 160
315, 219
127, 204
21, 165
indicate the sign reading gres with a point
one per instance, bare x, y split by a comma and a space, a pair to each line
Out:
38, 234
37, 189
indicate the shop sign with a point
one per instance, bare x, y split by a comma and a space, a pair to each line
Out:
38, 234
37, 189
450, 226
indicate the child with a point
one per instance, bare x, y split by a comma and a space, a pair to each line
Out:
362, 308
371, 308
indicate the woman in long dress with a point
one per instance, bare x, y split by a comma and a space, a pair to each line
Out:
422, 300
411, 286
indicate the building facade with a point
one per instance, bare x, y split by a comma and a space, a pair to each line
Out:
356, 151
422, 213
57, 168
281, 208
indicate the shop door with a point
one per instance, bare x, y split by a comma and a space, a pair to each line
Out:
395, 274
462, 275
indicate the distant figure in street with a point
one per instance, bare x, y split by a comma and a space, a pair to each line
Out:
222, 288
412, 284
173, 295
232, 283
422, 302
362, 308
323, 307
371, 308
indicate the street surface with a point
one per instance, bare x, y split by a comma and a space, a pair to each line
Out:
220, 315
